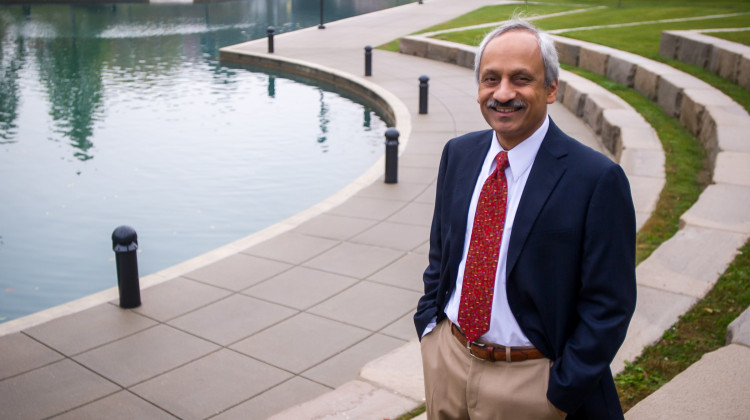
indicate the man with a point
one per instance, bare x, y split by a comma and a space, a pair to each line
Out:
531, 279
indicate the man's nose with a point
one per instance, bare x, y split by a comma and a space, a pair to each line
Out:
505, 92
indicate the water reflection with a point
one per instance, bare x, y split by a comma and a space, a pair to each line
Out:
11, 59
77, 47
122, 114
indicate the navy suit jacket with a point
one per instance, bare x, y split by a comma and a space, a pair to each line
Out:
571, 261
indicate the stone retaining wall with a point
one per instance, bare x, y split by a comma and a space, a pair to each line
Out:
727, 59
367, 92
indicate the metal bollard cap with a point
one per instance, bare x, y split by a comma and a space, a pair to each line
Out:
391, 135
124, 239
424, 79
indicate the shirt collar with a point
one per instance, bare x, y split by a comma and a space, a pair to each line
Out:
522, 156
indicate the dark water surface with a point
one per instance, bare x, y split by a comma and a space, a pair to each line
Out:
122, 115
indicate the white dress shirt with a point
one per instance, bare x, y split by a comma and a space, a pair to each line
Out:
504, 328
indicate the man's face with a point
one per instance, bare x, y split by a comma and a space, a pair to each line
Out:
512, 95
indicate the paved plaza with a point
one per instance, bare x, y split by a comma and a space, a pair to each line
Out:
284, 321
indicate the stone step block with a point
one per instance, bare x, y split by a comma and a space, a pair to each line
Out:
679, 266
721, 206
738, 331
643, 162
733, 168
655, 312
727, 127
635, 132
645, 191
715, 387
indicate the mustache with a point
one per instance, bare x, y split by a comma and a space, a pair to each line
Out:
494, 103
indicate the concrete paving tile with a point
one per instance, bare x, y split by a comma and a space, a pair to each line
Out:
714, 387
334, 226
210, 385
51, 390
428, 196
300, 287
354, 260
353, 400
290, 393
290, 247
399, 371
85, 330
231, 319
19, 353
238, 272
419, 175
300, 342
368, 208
403, 328
120, 406
419, 161
402, 191
405, 273
369, 305
345, 366
415, 214
177, 297
145, 355
423, 248
393, 235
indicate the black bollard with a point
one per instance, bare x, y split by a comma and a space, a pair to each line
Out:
391, 156
125, 244
368, 60
270, 32
420, 1
423, 87
321, 26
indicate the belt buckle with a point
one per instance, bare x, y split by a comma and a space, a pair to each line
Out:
468, 347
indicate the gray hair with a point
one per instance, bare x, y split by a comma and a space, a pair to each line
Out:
546, 46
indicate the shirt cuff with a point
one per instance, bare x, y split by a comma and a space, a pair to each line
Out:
431, 326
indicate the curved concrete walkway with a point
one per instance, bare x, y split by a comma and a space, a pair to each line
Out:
294, 312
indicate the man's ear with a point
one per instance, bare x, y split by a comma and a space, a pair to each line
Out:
552, 92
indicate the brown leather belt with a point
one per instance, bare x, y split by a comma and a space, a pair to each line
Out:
496, 353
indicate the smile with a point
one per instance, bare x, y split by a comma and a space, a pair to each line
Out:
505, 108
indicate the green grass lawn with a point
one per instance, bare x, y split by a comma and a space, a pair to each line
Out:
490, 14
741, 37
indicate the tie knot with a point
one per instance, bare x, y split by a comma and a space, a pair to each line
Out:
502, 161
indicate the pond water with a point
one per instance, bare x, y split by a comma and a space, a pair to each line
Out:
122, 115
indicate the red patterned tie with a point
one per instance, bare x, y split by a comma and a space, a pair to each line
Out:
481, 262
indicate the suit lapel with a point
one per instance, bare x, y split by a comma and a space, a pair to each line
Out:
549, 166
465, 179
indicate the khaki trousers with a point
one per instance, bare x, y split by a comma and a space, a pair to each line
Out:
459, 386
